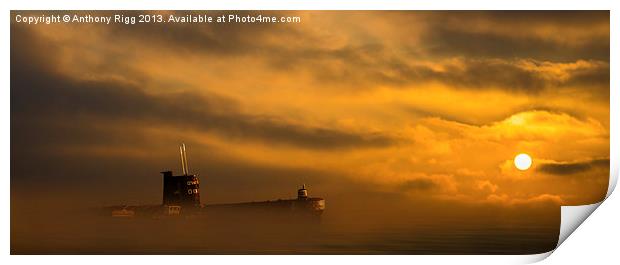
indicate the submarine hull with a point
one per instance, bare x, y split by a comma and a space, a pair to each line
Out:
308, 210
293, 209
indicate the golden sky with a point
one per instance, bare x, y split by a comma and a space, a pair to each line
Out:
428, 105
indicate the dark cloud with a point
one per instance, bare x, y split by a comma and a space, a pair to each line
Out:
453, 42
480, 74
568, 18
471, 74
67, 99
487, 59
37, 91
419, 185
509, 75
573, 168
422, 112
449, 38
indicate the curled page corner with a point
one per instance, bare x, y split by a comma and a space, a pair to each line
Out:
573, 216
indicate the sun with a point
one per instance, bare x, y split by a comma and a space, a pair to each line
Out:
523, 161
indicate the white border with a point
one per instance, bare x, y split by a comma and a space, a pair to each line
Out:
297, 5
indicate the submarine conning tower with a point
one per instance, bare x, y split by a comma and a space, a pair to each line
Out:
183, 190
302, 194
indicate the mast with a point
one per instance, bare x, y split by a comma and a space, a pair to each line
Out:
185, 159
181, 151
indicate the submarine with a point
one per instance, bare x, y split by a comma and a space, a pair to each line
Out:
181, 198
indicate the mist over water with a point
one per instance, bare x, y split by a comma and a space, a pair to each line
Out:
349, 225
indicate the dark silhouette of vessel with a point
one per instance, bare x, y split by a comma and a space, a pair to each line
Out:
181, 197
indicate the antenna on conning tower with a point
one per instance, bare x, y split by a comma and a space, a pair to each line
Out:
184, 164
